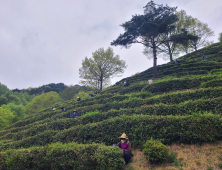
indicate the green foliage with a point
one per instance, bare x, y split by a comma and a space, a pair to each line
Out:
70, 92
170, 129
191, 116
172, 157
24, 97
17, 110
212, 83
103, 65
155, 151
9, 97
43, 89
6, 117
212, 105
3, 89
43, 101
62, 157
195, 28
83, 95
156, 21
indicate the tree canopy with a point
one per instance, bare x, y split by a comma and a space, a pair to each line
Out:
42, 101
103, 65
17, 110
148, 29
6, 117
197, 29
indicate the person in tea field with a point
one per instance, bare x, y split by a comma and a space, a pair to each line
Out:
203, 57
91, 95
126, 84
54, 109
95, 92
78, 98
176, 62
75, 114
125, 145
63, 109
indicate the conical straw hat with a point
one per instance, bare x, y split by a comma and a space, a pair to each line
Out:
123, 136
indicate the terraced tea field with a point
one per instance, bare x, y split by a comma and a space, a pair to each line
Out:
182, 106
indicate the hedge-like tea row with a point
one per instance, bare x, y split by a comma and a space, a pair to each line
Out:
186, 129
177, 70
212, 83
210, 105
63, 157
165, 86
182, 62
178, 84
171, 129
49, 114
172, 98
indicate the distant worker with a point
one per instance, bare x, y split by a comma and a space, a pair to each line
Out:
95, 92
54, 109
176, 62
78, 98
91, 95
150, 81
75, 114
126, 84
63, 109
203, 57
126, 147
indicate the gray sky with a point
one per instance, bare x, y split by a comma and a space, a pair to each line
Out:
45, 41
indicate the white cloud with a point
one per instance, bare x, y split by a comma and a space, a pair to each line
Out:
45, 42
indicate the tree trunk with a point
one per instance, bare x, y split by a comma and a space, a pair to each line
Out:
171, 57
154, 61
196, 50
101, 84
170, 52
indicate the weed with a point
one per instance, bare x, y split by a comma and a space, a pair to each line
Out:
219, 157
209, 160
198, 163
220, 165
209, 168
172, 157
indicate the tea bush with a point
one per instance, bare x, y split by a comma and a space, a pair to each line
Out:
185, 129
155, 151
186, 108
212, 83
63, 157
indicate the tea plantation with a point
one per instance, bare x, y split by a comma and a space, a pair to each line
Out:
182, 106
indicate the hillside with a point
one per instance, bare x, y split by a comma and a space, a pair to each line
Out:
59, 87
182, 106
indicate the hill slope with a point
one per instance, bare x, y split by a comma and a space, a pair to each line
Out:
182, 106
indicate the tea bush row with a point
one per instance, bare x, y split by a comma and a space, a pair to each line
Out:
165, 86
172, 98
209, 105
170, 129
63, 157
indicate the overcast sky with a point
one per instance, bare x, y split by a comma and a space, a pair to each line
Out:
45, 41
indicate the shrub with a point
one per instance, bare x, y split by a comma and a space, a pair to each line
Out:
62, 157
155, 151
